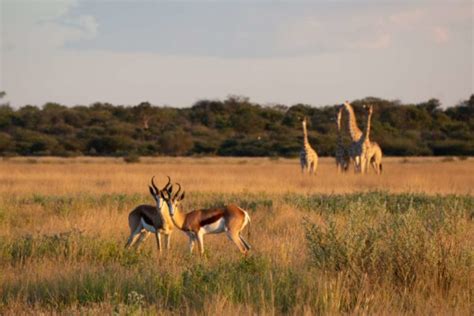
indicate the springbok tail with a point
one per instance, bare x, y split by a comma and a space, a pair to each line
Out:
247, 217
247, 220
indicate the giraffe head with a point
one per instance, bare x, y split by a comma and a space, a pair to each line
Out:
304, 120
369, 108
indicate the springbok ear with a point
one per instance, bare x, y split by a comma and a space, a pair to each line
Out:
170, 189
182, 196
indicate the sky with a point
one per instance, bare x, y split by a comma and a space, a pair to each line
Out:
274, 52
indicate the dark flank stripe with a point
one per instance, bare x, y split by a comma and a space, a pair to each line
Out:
211, 219
147, 220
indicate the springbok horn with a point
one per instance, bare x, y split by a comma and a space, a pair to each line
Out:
179, 189
168, 184
157, 191
165, 194
152, 191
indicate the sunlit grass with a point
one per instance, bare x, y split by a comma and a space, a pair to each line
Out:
377, 248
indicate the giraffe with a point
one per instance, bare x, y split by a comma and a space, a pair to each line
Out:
374, 155
308, 156
342, 155
372, 150
356, 147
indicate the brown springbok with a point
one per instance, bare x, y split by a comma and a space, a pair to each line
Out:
230, 219
146, 219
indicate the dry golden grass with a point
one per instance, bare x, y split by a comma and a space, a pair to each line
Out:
45, 196
108, 175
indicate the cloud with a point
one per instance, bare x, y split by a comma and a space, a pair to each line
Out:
407, 18
380, 41
43, 25
315, 57
440, 35
315, 34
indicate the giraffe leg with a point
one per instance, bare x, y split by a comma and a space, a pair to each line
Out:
364, 164
303, 166
357, 164
373, 163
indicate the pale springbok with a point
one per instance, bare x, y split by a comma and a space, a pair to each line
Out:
230, 219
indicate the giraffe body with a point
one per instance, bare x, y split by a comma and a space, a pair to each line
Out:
372, 153
356, 148
342, 153
374, 157
308, 156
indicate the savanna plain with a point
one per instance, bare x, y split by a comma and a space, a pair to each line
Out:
399, 243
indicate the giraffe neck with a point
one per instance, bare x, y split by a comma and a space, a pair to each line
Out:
339, 126
354, 130
305, 134
367, 128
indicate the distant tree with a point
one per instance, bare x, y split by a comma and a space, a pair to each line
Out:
231, 127
175, 143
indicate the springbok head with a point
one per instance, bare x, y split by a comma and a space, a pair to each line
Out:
156, 192
172, 200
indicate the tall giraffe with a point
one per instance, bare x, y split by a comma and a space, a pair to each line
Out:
342, 155
372, 150
355, 148
308, 156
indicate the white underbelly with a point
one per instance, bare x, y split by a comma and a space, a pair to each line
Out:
149, 228
215, 228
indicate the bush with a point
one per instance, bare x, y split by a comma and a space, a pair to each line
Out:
131, 158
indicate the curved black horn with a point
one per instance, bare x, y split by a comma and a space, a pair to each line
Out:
165, 194
168, 184
154, 186
179, 189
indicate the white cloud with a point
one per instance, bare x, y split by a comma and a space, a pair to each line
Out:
43, 25
338, 58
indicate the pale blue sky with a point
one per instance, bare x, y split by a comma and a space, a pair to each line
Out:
175, 53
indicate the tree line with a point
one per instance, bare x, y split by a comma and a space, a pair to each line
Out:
231, 127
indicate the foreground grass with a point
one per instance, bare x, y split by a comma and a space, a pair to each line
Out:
373, 252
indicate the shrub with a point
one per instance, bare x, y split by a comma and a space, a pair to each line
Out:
131, 158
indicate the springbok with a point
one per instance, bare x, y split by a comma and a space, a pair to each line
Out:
230, 219
146, 219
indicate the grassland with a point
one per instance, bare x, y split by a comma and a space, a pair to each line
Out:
401, 243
